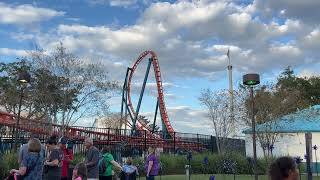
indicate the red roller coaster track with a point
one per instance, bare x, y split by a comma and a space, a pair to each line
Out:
100, 135
162, 106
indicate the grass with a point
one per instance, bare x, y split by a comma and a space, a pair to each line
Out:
217, 177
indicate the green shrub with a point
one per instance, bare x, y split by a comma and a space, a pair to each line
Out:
77, 158
172, 164
217, 164
175, 164
8, 161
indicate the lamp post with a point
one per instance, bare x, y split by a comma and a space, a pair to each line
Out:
188, 167
315, 148
298, 162
271, 147
252, 80
23, 78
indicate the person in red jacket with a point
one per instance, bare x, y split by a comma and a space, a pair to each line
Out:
67, 157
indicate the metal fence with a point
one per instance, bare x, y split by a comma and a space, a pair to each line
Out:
122, 140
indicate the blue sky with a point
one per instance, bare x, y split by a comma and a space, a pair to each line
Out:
191, 39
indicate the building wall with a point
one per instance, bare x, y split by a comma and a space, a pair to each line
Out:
292, 144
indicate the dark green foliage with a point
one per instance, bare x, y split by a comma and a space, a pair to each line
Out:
77, 158
8, 161
308, 87
176, 164
63, 87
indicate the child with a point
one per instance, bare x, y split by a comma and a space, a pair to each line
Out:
284, 168
129, 171
80, 172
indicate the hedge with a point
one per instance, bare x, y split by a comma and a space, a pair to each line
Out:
217, 164
8, 161
175, 164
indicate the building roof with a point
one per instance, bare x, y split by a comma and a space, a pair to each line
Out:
306, 120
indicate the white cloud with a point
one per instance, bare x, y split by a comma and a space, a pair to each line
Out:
121, 3
187, 119
151, 89
25, 14
312, 40
22, 36
124, 3
223, 48
306, 10
308, 73
191, 39
13, 52
286, 50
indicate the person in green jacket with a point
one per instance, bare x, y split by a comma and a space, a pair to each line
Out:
109, 163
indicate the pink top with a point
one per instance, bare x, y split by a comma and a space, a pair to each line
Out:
78, 178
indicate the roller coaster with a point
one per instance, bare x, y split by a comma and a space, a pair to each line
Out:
127, 102
140, 133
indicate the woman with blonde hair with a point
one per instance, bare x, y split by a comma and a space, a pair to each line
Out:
31, 164
152, 164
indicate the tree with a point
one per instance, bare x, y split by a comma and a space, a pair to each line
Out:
307, 87
112, 120
218, 111
10, 88
63, 88
37, 98
273, 101
145, 122
85, 87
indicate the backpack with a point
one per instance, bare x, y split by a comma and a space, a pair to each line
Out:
102, 165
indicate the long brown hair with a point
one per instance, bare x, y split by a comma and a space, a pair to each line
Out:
82, 170
281, 167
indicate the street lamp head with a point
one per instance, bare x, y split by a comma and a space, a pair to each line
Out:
24, 77
251, 79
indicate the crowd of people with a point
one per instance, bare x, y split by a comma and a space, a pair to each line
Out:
51, 162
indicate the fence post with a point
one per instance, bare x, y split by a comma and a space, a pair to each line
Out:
198, 141
211, 143
174, 143
108, 142
145, 140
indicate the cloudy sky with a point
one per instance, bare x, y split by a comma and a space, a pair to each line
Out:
191, 39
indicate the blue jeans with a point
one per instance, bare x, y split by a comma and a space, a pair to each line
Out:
150, 177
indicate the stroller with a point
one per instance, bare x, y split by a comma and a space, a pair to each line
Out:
11, 176
128, 176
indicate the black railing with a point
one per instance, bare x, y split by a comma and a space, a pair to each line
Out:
122, 139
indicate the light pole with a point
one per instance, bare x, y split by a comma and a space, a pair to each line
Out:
251, 80
23, 78
188, 167
315, 148
298, 162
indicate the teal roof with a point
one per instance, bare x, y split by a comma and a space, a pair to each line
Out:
306, 120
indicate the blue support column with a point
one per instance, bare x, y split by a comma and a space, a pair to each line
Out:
165, 133
140, 98
124, 92
155, 116
126, 111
